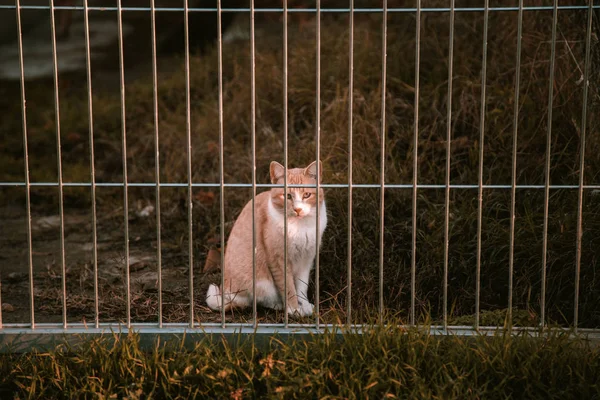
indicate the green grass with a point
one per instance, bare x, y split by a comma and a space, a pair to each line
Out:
381, 363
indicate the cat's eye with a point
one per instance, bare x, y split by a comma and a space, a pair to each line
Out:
306, 195
289, 196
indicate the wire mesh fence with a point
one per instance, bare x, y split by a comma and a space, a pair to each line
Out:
457, 198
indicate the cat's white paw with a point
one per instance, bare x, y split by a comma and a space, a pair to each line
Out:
293, 311
301, 311
306, 308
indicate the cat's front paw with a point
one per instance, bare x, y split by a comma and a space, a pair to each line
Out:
306, 308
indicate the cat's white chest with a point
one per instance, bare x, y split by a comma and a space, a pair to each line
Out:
302, 232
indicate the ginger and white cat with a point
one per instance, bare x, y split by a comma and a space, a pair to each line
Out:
302, 246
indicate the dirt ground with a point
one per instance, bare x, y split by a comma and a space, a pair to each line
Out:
47, 277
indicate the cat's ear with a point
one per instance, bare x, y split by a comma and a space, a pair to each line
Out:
311, 170
277, 171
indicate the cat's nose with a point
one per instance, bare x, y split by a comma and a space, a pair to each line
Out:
298, 210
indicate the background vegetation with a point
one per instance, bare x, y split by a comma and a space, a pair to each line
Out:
465, 126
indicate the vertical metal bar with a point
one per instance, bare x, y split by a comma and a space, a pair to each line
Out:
156, 165
513, 189
124, 144
382, 161
221, 166
413, 266
188, 130
88, 64
548, 154
26, 162
586, 83
59, 168
253, 131
350, 101
318, 139
481, 148
448, 153
285, 163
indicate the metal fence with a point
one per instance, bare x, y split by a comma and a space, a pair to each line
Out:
13, 333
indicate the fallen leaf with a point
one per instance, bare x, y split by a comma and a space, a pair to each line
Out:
7, 307
74, 137
14, 277
206, 198
43, 223
238, 394
146, 211
269, 363
223, 374
213, 260
213, 147
139, 263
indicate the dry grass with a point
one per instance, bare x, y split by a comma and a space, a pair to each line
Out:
400, 92
380, 363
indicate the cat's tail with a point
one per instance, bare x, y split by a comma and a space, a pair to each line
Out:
213, 297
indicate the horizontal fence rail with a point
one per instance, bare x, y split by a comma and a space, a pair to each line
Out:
270, 186
31, 333
47, 337
304, 10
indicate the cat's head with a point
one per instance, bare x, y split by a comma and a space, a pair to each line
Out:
301, 202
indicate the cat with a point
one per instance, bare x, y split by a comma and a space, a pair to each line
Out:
302, 245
